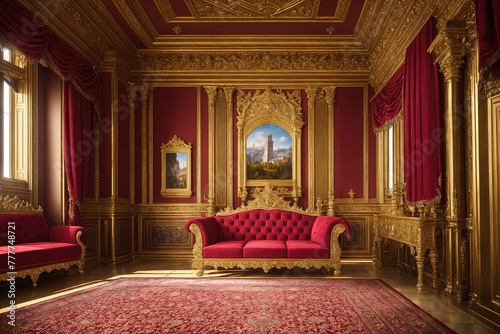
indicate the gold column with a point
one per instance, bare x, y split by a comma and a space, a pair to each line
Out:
228, 93
144, 91
330, 100
131, 92
450, 47
311, 103
211, 92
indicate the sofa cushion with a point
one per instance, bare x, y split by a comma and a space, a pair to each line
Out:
261, 224
223, 249
29, 227
305, 249
31, 255
265, 249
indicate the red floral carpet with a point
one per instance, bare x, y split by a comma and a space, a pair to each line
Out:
228, 305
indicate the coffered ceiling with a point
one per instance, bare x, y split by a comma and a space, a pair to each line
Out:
150, 37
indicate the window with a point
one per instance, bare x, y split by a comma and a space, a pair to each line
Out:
14, 121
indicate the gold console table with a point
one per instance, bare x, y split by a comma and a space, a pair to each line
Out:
418, 233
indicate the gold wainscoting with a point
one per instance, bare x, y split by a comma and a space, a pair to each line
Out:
161, 233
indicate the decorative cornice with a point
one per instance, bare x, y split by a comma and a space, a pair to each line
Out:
86, 25
138, 20
404, 22
250, 61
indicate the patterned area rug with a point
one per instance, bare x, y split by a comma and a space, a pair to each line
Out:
228, 305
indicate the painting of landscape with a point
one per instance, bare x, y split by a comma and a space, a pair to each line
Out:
269, 153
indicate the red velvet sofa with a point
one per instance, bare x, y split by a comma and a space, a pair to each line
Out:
257, 236
29, 245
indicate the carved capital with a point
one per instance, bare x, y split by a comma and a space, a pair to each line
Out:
211, 92
450, 46
228, 93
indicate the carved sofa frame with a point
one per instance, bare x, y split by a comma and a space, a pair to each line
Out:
268, 203
29, 245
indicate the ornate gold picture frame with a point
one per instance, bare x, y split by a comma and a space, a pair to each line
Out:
176, 168
266, 118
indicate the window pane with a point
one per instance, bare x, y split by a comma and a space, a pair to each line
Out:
6, 54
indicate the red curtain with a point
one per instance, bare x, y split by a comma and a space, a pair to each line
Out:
27, 33
488, 34
77, 148
422, 121
387, 104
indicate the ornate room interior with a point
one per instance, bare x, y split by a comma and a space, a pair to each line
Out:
194, 79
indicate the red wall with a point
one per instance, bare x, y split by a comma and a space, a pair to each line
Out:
123, 111
348, 134
372, 165
138, 150
105, 152
174, 113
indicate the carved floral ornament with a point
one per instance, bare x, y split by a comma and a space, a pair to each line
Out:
15, 204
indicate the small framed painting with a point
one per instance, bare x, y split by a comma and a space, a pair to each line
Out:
176, 168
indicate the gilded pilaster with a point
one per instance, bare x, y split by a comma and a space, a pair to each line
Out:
450, 47
131, 93
228, 93
311, 92
144, 92
211, 92
330, 100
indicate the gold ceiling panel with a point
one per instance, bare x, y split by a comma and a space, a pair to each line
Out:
251, 9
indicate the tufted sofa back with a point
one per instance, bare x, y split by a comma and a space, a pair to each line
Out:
261, 224
29, 227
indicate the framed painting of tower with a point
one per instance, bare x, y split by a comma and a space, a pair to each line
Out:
176, 168
269, 135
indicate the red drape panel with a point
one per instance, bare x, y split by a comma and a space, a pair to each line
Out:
27, 33
488, 34
387, 104
422, 121
78, 147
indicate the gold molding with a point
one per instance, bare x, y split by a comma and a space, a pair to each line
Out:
270, 107
228, 93
16, 205
175, 145
268, 198
138, 20
198, 144
168, 61
404, 22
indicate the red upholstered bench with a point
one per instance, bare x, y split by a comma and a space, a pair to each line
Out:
265, 234
29, 245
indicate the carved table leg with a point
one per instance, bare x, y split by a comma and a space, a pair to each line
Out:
420, 268
434, 259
